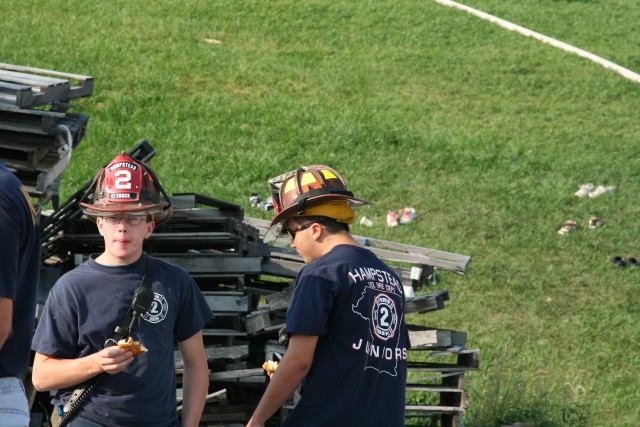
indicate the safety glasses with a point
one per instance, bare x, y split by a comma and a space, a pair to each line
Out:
131, 220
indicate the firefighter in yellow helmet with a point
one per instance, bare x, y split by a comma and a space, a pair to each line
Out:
74, 340
348, 341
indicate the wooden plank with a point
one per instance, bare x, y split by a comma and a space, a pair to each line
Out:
279, 301
236, 374
44, 90
11, 87
12, 67
80, 86
42, 122
216, 352
12, 94
222, 415
423, 337
257, 321
440, 367
38, 82
417, 258
273, 350
52, 169
20, 154
282, 268
438, 388
48, 113
432, 253
213, 263
456, 263
44, 178
427, 302
226, 302
35, 81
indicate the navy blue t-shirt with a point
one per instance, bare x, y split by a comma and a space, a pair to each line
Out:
19, 270
355, 304
81, 312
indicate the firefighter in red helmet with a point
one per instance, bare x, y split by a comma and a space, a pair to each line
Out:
347, 349
100, 300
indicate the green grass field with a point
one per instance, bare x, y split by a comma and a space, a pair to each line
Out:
486, 133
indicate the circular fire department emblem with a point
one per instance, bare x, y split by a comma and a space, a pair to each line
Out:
158, 310
384, 317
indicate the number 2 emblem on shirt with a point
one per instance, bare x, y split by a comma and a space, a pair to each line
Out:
158, 310
384, 317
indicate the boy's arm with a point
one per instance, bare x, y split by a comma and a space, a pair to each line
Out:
6, 319
291, 371
52, 373
195, 382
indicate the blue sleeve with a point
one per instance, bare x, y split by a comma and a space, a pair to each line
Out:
10, 250
311, 303
194, 311
10, 229
56, 333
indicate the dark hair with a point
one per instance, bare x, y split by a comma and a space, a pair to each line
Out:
330, 224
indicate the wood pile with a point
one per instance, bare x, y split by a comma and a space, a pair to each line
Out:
37, 131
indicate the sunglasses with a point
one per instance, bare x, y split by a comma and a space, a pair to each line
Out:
292, 231
131, 220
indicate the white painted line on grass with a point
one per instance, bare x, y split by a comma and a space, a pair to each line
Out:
625, 72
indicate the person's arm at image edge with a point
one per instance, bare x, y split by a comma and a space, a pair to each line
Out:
6, 319
195, 381
291, 371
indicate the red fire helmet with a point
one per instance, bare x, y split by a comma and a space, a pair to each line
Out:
127, 185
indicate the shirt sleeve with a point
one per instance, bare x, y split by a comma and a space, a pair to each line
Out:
56, 331
311, 303
194, 311
9, 230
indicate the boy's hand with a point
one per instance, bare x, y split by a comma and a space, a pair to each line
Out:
113, 359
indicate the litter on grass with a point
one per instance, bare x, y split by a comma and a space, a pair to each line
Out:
591, 191
256, 202
403, 216
392, 219
595, 222
567, 227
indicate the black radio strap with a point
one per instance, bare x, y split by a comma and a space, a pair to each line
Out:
142, 299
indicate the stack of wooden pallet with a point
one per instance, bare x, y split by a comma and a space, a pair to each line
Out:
37, 131
436, 394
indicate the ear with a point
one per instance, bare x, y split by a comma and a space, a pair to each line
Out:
317, 231
100, 224
151, 225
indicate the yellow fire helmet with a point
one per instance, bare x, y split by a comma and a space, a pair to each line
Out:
316, 190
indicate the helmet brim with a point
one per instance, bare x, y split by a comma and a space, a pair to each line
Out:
292, 210
161, 211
